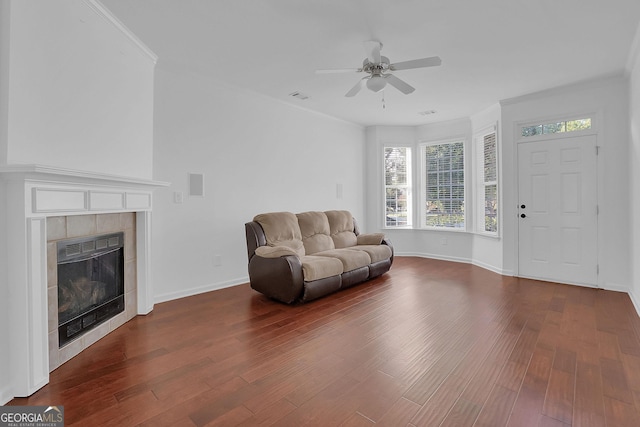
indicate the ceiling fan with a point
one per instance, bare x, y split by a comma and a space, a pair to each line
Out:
379, 66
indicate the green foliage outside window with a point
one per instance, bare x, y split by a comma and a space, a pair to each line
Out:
557, 127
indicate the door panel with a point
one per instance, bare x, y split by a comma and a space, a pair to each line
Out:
557, 229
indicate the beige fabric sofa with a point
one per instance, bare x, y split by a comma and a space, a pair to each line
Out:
301, 257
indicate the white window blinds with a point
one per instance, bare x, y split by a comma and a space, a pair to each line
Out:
397, 178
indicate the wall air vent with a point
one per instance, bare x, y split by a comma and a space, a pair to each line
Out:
299, 95
427, 112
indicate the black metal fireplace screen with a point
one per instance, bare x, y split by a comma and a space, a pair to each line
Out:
90, 283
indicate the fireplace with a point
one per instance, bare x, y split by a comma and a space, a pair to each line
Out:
90, 283
49, 204
93, 257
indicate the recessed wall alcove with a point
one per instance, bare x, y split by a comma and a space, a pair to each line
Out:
49, 204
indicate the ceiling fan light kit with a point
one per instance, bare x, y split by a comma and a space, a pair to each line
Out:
376, 83
378, 67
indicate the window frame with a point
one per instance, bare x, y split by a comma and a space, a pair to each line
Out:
481, 184
593, 116
408, 186
422, 212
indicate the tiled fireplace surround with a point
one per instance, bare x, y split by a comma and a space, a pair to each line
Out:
49, 204
67, 227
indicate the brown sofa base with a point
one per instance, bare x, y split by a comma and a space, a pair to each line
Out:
319, 288
353, 277
379, 268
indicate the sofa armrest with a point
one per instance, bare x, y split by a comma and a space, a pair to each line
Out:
387, 242
255, 238
279, 278
370, 238
275, 251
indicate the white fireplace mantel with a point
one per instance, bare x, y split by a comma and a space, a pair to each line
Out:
34, 193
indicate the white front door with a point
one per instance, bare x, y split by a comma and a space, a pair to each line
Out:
557, 209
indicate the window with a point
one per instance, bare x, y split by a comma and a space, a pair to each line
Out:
397, 180
489, 189
557, 127
443, 204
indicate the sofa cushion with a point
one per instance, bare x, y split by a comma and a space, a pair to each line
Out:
341, 228
281, 229
350, 259
376, 252
314, 227
370, 239
318, 267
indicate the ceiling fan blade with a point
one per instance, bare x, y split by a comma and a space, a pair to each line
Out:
432, 61
399, 84
372, 48
339, 70
354, 90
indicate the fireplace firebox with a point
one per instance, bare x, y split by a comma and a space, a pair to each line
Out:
90, 283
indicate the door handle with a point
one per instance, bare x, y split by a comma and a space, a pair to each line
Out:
523, 216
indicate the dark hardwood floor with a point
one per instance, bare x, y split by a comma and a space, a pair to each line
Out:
431, 343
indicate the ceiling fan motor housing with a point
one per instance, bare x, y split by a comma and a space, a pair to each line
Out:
379, 67
370, 67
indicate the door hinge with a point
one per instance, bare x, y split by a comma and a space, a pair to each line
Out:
597, 209
597, 150
597, 269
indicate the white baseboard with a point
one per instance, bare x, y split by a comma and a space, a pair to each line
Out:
495, 269
5, 396
616, 287
227, 284
434, 256
627, 290
199, 290
460, 260
635, 301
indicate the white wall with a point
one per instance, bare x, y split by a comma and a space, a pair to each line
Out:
442, 244
377, 137
5, 366
5, 25
76, 92
487, 250
81, 92
634, 165
257, 155
608, 99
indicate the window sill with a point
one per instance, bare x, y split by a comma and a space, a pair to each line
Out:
446, 230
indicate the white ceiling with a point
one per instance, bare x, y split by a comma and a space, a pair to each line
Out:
491, 49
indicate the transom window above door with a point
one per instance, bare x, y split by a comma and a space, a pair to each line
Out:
556, 127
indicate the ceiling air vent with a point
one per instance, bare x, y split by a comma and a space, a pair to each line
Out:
299, 95
427, 112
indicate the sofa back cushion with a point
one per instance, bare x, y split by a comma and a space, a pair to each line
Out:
314, 227
341, 229
281, 229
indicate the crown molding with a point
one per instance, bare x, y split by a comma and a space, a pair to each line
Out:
106, 14
597, 81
